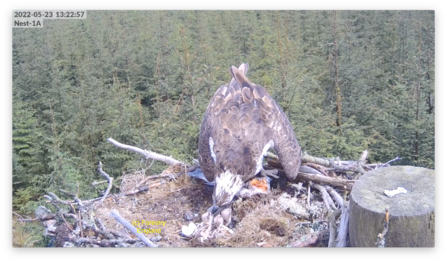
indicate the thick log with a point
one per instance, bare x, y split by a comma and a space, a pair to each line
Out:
411, 214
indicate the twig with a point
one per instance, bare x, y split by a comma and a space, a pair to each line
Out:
335, 195
14, 213
103, 243
103, 232
147, 154
95, 183
308, 193
392, 160
101, 224
63, 218
343, 228
33, 219
77, 200
305, 158
326, 198
133, 192
308, 169
142, 182
80, 223
119, 234
326, 180
67, 193
56, 199
332, 218
364, 156
129, 226
360, 163
110, 179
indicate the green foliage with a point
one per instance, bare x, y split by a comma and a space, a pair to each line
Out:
145, 78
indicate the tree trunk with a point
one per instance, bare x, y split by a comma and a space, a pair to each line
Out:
411, 214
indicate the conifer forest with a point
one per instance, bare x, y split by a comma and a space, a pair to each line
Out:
348, 81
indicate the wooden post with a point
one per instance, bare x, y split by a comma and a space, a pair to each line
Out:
411, 214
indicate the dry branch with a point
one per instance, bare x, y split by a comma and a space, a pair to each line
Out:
335, 195
332, 218
55, 199
147, 154
392, 160
343, 228
326, 198
110, 179
95, 183
305, 158
326, 180
129, 226
67, 193
102, 243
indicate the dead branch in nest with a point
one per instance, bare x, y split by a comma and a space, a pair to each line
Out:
129, 226
95, 183
110, 179
102, 243
356, 167
156, 177
67, 193
326, 180
141, 189
388, 163
317, 169
56, 200
332, 218
147, 154
310, 172
361, 162
305, 158
76, 229
335, 195
308, 194
47, 217
326, 198
343, 227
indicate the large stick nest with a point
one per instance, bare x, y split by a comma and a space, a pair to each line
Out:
263, 220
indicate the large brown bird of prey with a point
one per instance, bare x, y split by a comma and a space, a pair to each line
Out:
241, 123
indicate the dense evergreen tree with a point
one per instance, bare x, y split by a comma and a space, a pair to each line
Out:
348, 81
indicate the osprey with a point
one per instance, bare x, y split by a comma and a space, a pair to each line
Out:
241, 123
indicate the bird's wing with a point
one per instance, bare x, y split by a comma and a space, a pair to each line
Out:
241, 122
276, 126
217, 141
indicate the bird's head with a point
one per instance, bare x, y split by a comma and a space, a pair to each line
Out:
227, 186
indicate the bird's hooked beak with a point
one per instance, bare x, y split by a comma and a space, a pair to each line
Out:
213, 209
